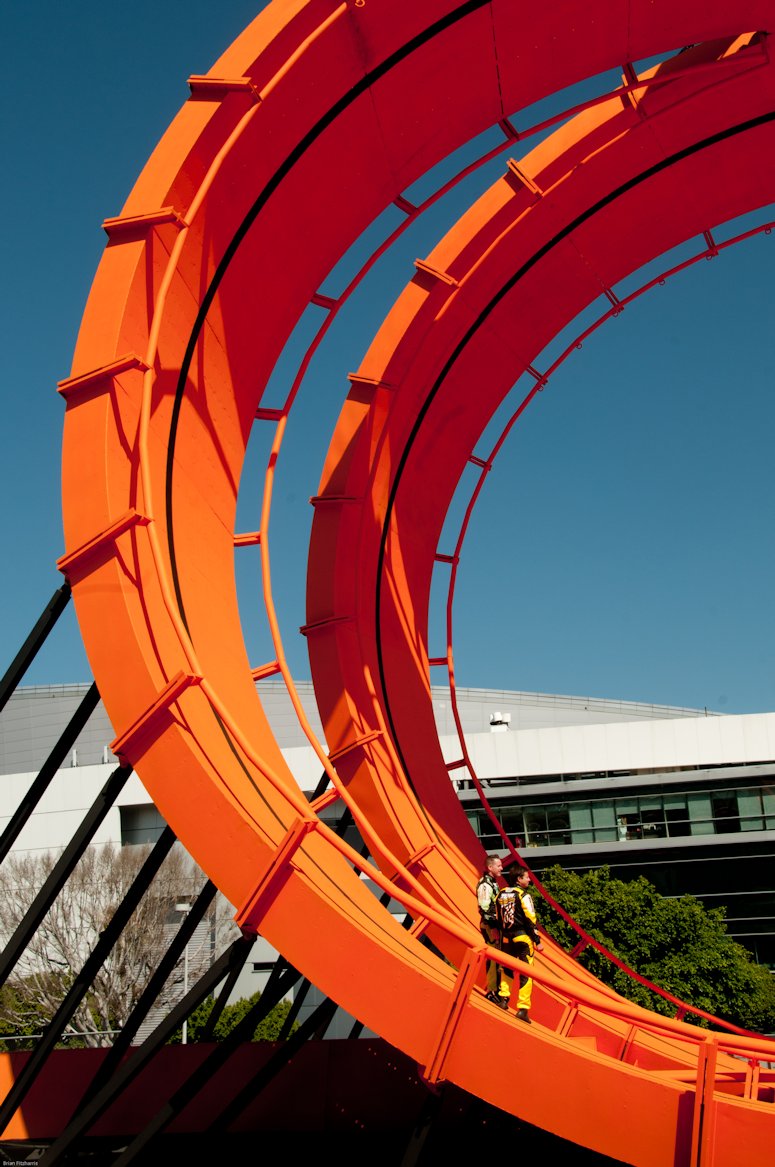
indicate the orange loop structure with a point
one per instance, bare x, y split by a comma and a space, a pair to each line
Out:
464, 762
318, 117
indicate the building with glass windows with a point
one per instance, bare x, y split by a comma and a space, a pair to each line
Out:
684, 797
687, 802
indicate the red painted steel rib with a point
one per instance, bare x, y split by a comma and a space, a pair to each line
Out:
253, 195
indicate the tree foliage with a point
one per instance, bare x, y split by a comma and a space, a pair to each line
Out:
267, 1029
21, 1019
71, 928
677, 944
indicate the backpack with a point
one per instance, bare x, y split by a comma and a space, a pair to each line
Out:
506, 908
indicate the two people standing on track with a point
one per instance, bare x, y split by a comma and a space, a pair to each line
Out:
508, 922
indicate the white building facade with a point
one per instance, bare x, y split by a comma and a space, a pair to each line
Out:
684, 797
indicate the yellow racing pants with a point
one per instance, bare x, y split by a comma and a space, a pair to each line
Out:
520, 947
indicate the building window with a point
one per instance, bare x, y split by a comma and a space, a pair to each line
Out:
558, 825
652, 816
726, 815
628, 819
749, 804
604, 819
140, 824
768, 803
535, 826
676, 815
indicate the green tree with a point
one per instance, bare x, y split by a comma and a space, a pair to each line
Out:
20, 1022
677, 944
266, 1030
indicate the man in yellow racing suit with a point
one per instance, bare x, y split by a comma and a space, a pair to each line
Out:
519, 935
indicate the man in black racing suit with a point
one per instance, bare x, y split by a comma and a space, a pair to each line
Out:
487, 890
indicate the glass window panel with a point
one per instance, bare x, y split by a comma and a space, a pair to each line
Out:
558, 821
535, 826
603, 815
726, 814
581, 823
140, 824
512, 821
580, 815
558, 817
750, 806
628, 825
700, 814
535, 818
678, 821
653, 823
578, 837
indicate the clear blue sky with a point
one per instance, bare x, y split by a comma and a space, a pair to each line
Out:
623, 546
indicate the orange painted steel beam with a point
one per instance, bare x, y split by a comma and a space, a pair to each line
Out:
270, 171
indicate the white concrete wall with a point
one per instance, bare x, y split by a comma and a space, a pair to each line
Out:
572, 749
640, 745
64, 805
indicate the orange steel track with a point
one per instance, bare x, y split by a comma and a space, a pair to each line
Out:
319, 116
